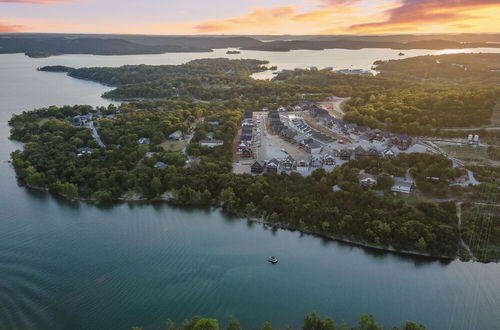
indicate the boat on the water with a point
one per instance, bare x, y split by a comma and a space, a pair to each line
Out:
233, 52
272, 260
401, 54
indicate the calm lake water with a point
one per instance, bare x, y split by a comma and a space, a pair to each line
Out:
77, 266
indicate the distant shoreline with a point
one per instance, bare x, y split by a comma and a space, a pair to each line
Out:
46, 45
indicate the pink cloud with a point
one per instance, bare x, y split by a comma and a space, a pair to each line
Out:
412, 12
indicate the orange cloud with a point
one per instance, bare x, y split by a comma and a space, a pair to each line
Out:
257, 17
6, 28
336, 3
411, 14
38, 2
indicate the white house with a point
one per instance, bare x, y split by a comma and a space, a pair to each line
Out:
144, 140
211, 143
177, 135
367, 180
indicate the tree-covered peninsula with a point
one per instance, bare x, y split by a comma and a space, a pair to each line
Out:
131, 152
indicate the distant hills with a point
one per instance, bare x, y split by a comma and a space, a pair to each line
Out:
359, 44
43, 45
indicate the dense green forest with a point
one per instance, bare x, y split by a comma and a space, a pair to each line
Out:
312, 321
418, 112
415, 96
453, 71
205, 80
125, 169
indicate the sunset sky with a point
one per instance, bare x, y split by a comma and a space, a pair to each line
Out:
250, 16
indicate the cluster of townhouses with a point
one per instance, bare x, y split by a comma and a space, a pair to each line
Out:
289, 164
327, 161
246, 137
298, 133
401, 141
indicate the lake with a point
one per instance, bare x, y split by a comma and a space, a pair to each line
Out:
66, 265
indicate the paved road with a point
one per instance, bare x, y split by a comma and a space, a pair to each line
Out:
95, 135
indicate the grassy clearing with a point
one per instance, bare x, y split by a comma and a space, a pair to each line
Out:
173, 146
495, 117
469, 154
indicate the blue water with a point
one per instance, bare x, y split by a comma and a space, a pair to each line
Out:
66, 265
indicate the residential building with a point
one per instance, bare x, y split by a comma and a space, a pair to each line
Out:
177, 135
272, 166
329, 160
211, 143
402, 185
314, 147
288, 164
345, 154
258, 167
144, 140
367, 180
389, 153
316, 161
160, 165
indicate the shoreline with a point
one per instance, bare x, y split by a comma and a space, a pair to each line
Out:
167, 198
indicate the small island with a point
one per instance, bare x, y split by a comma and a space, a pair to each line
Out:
348, 166
41, 54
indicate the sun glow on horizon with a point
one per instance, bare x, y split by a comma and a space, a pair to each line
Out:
258, 17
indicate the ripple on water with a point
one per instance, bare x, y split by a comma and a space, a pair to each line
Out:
27, 286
